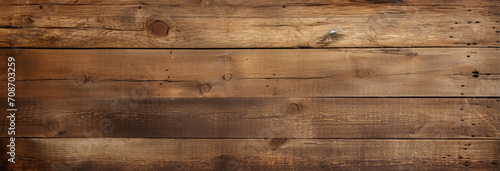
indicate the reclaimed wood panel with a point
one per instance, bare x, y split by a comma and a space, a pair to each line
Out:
256, 24
253, 154
258, 118
374, 72
252, 85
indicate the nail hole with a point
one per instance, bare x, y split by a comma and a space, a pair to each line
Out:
284, 6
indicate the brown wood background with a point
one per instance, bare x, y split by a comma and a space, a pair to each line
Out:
253, 85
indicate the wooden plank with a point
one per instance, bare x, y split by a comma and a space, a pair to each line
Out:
387, 72
252, 154
258, 118
256, 24
214, 3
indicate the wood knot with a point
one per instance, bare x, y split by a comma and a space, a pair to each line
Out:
55, 128
227, 76
466, 163
204, 89
53, 39
159, 29
82, 79
362, 73
277, 142
292, 109
28, 20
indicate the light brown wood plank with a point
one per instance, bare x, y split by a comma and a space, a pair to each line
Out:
258, 118
387, 72
252, 154
259, 24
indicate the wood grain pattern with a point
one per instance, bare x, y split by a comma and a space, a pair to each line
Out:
252, 85
214, 3
253, 154
387, 72
259, 118
256, 24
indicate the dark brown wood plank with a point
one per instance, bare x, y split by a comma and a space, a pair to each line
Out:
252, 154
256, 24
258, 118
374, 72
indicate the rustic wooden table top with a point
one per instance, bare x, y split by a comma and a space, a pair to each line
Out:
250, 85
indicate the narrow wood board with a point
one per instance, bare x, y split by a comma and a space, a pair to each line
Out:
366, 72
214, 3
251, 154
255, 24
258, 118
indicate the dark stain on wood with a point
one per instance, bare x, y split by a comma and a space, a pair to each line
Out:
277, 142
293, 108
159, 29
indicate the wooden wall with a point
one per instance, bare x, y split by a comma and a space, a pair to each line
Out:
252, 85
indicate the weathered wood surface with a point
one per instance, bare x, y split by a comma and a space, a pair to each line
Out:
404, 85
215, 3
252, 154
253, 24
386, 72
258, 118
